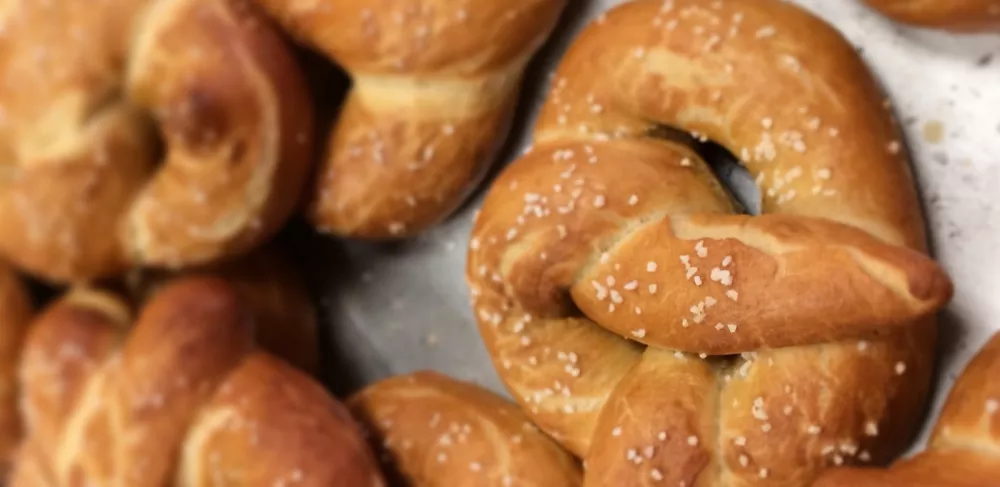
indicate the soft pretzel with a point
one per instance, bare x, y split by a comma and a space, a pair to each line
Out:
605, 237
955, 15
181, 399
434, 88
15, 314
437, 431
84, 89
964, 449
284, 319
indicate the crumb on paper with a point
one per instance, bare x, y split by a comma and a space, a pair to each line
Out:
431, 340
933, 131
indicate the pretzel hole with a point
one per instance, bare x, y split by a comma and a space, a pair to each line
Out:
735, 178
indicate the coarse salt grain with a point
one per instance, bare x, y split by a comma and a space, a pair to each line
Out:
701, 249
992, 406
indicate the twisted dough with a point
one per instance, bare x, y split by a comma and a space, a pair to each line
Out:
85, 87
435, 84
604, 235
956, 15
436, 431
15, 314
965, 445
183, 399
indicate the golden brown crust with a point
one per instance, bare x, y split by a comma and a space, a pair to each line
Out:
66, 346
956, 468
15, 314
285, 316
827, 297
968, 420
434, 89
285, 319
388, 177
652, 432
128, 425
147, 411
437, 431
269, 424
954, 15
82, 198
964, 448
31, 469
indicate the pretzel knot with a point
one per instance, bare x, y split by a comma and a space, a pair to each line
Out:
434, 85
183, 398
661, 336
88, 95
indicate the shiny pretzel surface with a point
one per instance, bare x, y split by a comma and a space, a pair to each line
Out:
158, 133
434, 88
663, 337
